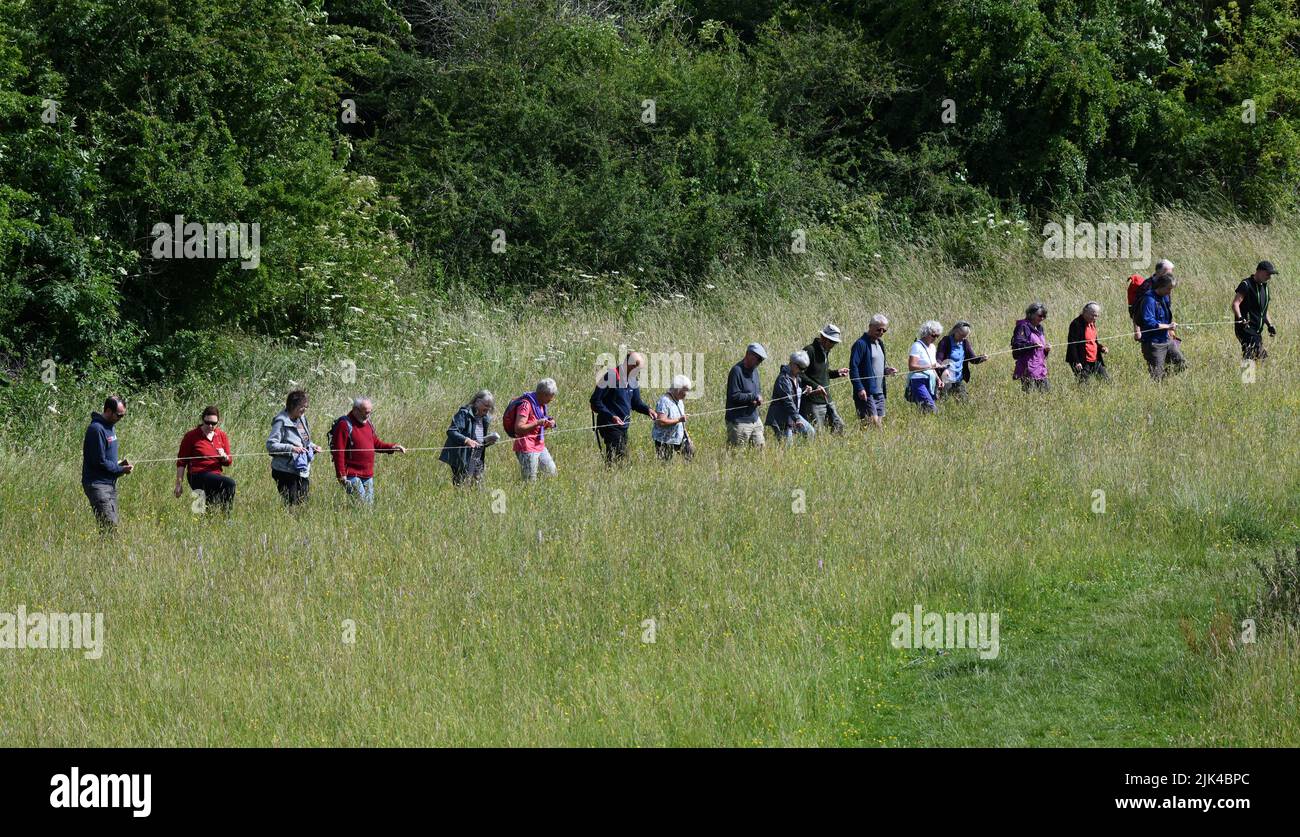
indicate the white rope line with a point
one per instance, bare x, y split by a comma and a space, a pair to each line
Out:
691, 415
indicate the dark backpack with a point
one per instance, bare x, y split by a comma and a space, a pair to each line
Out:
335, 426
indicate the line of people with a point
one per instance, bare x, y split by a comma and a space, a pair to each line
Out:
205, 452
939, 367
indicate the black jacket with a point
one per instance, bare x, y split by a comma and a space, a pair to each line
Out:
819, 371
1074, 351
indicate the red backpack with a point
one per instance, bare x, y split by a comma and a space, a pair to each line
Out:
512, 415
1137, 288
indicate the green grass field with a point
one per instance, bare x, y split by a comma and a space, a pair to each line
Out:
772, 627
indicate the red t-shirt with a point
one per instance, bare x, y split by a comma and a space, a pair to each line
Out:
533, 442
1090, 342
196, 444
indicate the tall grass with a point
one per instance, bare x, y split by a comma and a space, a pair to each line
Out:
771, 625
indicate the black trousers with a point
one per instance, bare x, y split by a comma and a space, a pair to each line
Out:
614, 440
1035, 384
666, 451
472, 473
1092, 369
217, 489
293, 488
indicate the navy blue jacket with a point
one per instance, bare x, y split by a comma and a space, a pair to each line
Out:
617, 399
860, 367
742, 389
99, 453
786, 395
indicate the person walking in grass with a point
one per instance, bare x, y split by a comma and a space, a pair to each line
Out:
1084, 353
617, 395
955, 349
1160, 346
787, 391
923, 367
669, 433
744, 397
868, 370
468, 438
204, 451
1250, 310
353, 445
292, 450
818, 407
100, 467
526, 420
1137, 288
1030, 348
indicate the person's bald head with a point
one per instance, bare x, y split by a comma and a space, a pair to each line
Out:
362, 407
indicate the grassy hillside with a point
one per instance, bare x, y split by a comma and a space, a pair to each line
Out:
772, 626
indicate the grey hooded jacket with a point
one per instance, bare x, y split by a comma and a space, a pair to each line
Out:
284, 437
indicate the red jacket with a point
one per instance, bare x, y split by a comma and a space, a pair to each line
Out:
195, 444
354, 452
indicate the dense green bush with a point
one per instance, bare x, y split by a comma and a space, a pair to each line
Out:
528, 116
542, 129
221, 112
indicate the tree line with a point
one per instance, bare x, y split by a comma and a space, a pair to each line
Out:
391, 149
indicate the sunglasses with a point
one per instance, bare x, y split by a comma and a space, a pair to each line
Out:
212, 423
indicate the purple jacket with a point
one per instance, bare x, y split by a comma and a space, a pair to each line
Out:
1029, 348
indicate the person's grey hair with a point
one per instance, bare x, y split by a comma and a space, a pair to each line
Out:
930, 327
361, 399
483, 396
680, 382
1034, 309
880, 319
1095, 306
961, 326
1164, 264
547, 385
800, 359
1164, 280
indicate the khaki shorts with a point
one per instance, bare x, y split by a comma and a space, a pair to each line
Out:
745, 433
